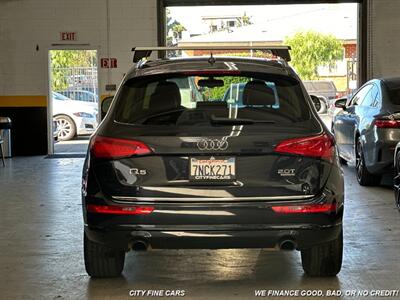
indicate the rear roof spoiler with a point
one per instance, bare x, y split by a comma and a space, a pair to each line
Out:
278, 51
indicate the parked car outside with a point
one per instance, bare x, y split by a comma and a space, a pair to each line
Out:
262, 174
367, 129
73, 117
80, 95
324, 88
234, 94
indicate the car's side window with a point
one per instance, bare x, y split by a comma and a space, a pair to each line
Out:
378, 98
360, 96
373, 96
352, 100
369, 99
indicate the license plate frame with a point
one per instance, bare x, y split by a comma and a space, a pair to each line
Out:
212, 169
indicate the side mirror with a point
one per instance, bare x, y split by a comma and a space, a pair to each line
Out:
341, 103
105, 106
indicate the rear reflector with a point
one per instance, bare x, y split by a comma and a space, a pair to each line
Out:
112, 148
387, 123
305, 209
120, 210
320, 146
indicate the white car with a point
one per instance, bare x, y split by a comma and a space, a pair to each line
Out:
73, 117
80, 95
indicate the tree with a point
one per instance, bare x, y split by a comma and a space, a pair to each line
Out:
174, 34
73, 58
218, 92
62, 60
174, 29
311, 50
168, 22
177, 29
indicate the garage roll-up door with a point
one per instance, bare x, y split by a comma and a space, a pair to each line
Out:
249, 2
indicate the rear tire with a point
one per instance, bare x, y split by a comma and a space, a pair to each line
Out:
325, 259
364, 177
102, 261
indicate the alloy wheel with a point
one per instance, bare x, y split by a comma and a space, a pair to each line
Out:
64, 128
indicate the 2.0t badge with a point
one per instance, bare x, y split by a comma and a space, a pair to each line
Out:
287, 172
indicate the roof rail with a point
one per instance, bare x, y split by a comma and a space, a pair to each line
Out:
279, 51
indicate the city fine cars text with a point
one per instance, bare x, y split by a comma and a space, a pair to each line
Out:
157, 293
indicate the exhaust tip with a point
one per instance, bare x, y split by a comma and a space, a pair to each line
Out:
139, 246
287, 245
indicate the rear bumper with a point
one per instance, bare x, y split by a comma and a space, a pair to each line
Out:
382, 151
384, 159
303, 236
217, 224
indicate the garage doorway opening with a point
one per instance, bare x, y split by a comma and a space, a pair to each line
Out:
73, 100
333, 27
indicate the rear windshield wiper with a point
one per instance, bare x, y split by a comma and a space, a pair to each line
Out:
238, 121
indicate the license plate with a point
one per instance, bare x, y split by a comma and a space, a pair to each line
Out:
212, 169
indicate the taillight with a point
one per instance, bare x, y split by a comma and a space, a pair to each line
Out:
119, 210
320, 146
305, 209
387, 123
112, 148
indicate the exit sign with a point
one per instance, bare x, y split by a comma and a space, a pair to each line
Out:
68, 36
108, 63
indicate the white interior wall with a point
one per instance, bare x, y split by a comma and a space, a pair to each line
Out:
24, 24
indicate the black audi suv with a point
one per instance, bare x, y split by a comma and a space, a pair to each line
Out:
168, 169
367, 129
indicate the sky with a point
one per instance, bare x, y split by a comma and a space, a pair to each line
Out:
190, 17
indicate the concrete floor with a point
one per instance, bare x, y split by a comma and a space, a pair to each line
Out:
41, 246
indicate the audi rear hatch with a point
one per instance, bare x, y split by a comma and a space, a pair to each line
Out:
262, 143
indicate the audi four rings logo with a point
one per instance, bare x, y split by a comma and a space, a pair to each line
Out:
212, 144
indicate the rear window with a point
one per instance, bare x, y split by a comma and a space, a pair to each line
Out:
199, 100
